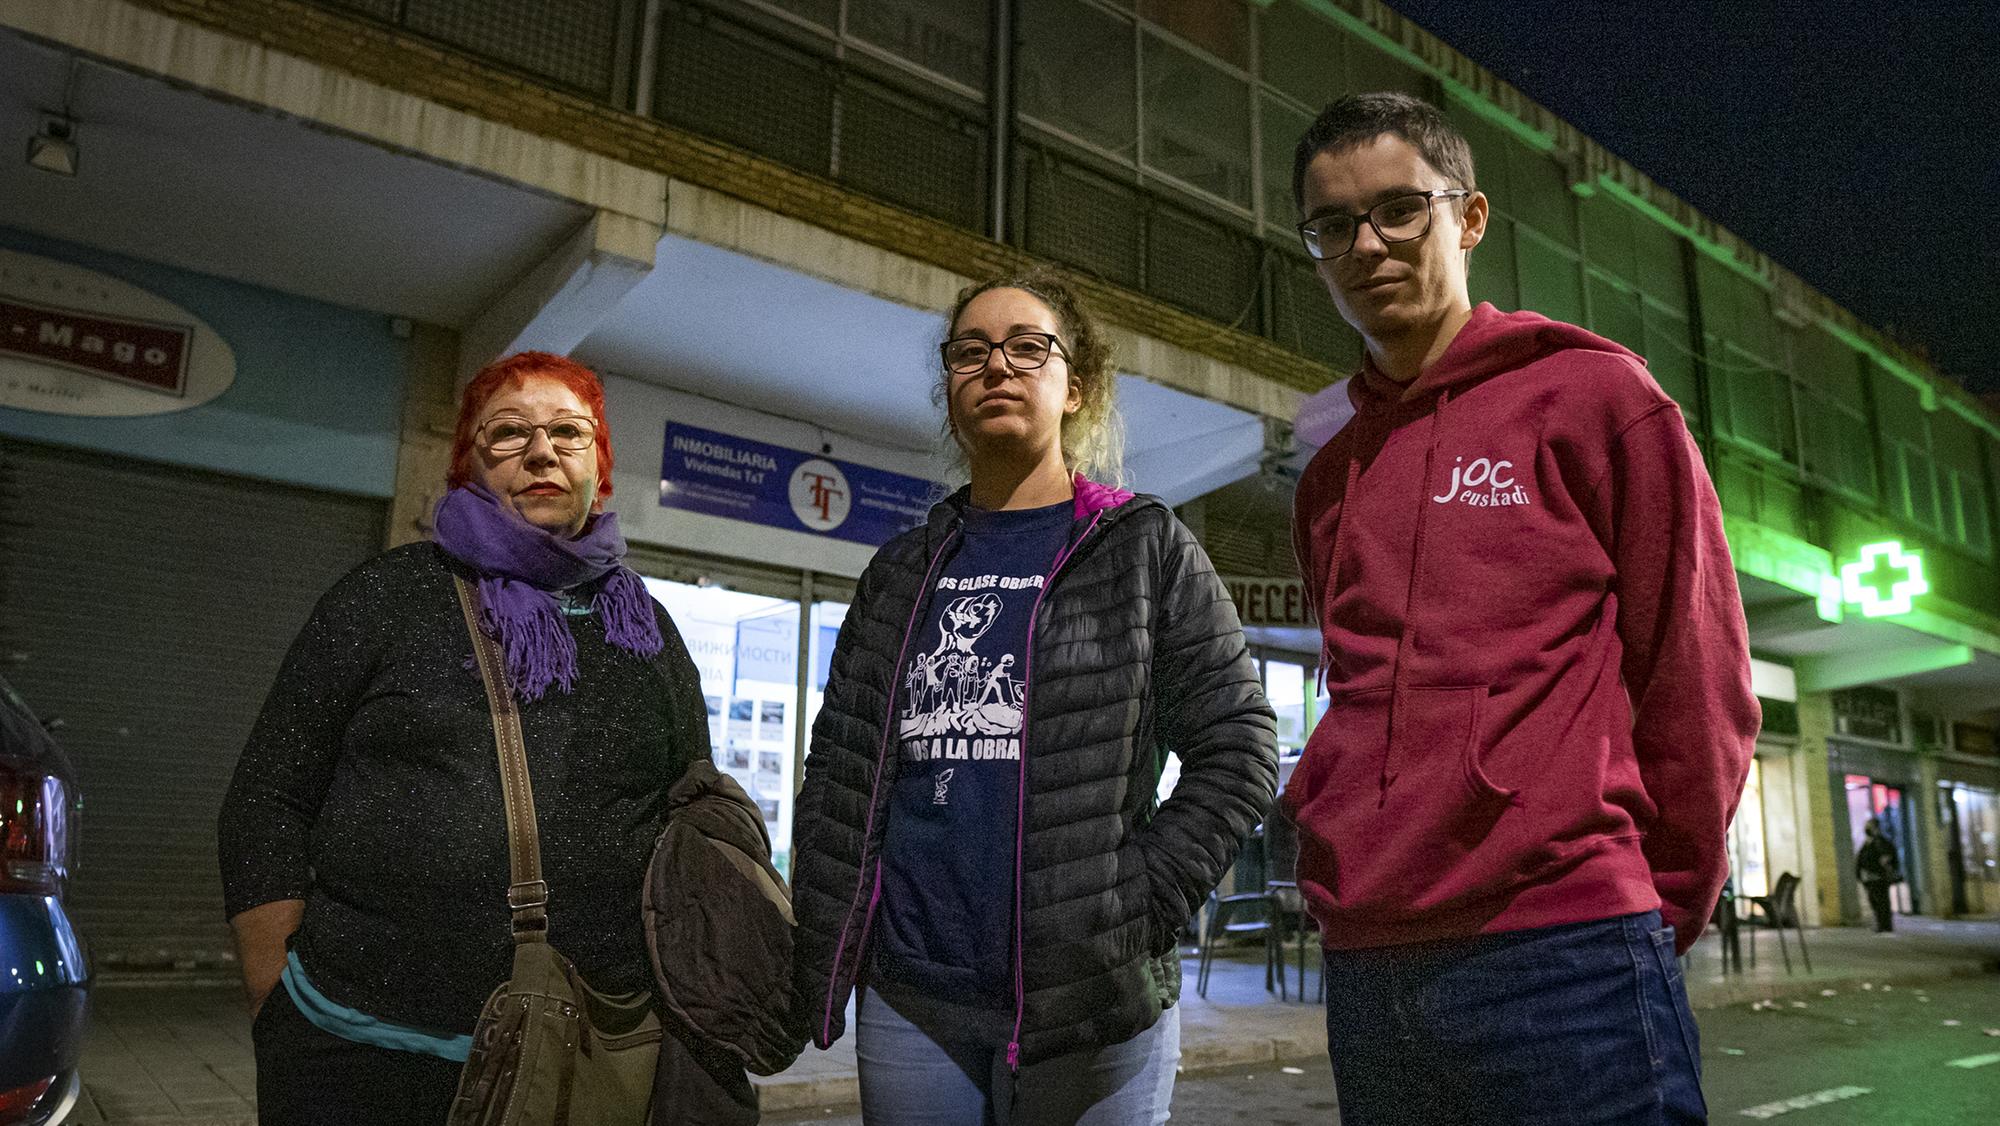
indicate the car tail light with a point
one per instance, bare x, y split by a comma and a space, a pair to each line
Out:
34, 830
18, 1105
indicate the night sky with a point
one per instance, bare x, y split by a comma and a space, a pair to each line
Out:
1859, 146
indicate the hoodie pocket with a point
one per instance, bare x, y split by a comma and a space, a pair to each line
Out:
1397, 817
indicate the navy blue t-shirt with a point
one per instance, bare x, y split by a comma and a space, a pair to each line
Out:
947, 913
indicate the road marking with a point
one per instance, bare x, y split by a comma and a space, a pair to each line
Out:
1801, 1102
1970, 1062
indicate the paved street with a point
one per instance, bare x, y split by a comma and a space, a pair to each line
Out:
177, 1052
1911, 1056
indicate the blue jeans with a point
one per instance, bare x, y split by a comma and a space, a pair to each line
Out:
922, 1073
1585, 1023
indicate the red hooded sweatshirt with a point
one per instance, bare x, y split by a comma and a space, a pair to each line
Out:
1540, 677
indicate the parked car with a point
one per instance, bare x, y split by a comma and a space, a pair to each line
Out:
44, 969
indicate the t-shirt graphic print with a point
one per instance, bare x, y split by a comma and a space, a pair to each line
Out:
947, 869
959, 691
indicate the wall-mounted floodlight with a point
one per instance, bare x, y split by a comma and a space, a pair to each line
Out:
1885, 581
54, 148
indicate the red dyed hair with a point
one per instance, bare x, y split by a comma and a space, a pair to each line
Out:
513, 371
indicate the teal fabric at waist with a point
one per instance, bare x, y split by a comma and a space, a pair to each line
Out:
350, 1024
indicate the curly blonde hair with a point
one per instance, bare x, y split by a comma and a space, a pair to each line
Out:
1093, 436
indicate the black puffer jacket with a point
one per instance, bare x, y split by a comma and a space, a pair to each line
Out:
1136, 652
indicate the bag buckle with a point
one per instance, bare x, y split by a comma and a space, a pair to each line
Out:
532, 893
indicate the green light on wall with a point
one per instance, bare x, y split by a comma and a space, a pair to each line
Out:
1886, 580
1830, 603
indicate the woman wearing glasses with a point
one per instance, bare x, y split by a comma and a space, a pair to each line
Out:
978, 839
363, 839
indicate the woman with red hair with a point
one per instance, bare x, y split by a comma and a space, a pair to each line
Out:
364, 842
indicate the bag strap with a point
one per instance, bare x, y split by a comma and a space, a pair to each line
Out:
527, 892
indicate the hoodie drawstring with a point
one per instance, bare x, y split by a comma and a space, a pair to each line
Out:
1333, 579
1416, 582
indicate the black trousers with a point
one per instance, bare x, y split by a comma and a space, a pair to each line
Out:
1878, 901
307, 1077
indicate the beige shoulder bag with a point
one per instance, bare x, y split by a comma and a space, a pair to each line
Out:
548, 1049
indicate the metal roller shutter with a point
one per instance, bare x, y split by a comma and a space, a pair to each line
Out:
149, 608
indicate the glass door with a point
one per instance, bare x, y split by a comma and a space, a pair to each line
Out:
746, 630
745, 646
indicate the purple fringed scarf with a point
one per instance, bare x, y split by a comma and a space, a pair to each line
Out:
520, 565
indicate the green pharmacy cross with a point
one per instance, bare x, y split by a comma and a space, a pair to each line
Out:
1886, 579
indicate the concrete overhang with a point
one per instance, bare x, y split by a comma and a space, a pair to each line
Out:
759, 310
218, 155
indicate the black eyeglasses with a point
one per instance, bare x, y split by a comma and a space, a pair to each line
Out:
1025, 351
506, 433
1400, 218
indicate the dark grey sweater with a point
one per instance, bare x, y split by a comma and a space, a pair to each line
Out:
370, 789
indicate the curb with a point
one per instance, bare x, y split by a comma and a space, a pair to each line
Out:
1743, 993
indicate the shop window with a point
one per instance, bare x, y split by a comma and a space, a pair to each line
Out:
1302, 55
1551, 283
1285, 687
1197, 122
1077, 73
1747, 862
746, 648
945, 37
1972, 854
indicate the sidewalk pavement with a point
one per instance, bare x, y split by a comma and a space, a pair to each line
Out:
177, 1053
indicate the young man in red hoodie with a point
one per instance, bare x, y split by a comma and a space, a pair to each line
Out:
1511, 818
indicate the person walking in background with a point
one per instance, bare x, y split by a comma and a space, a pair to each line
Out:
977, 838
1512, 815
1875, 866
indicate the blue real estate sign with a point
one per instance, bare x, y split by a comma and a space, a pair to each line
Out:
720, 474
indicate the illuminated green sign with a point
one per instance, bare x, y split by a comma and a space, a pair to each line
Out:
1886, 579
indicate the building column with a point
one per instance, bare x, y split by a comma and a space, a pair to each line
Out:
430, 411
1824, 899
1932, 841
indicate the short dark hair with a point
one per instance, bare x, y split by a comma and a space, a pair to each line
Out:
1356, 119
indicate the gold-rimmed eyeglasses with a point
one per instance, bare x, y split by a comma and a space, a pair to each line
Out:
509, 433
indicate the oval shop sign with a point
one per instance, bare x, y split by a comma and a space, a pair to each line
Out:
74, 341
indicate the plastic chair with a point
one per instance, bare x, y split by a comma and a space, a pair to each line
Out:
1225, 917
1297, 922
1777, 911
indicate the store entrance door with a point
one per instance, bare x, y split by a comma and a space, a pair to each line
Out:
748, 630
1867, 798
1971, 820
